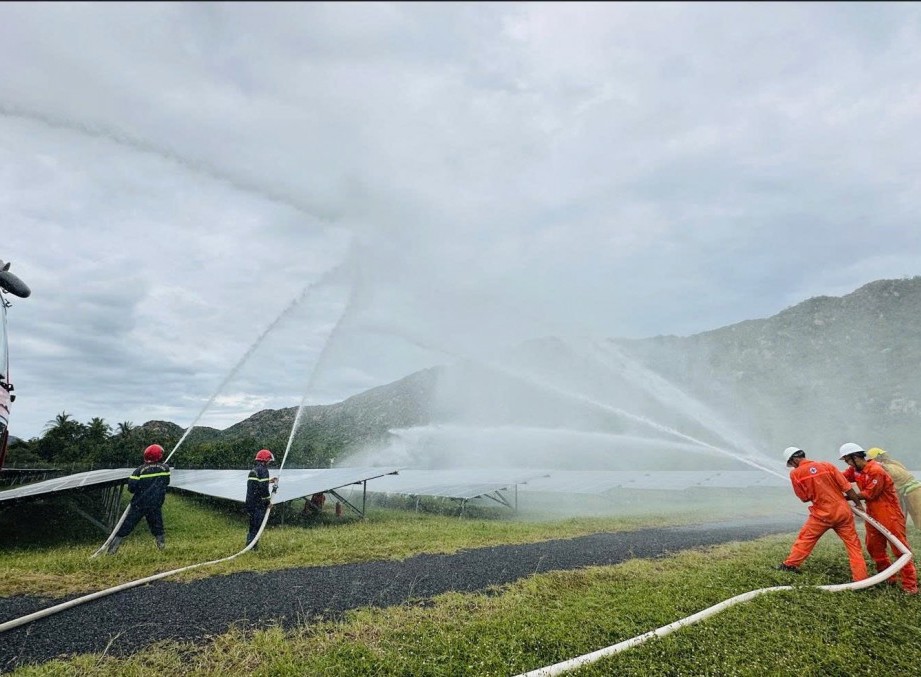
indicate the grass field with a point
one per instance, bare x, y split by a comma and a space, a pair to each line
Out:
551, 617
47, 548
538, 621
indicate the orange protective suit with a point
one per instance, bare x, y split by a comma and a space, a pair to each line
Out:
823, 485
883, 506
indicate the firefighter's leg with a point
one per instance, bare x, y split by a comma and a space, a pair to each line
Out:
255, 521
909, 573
155, 522
805, 541
848, 534
913, 499
131, 519
876, 546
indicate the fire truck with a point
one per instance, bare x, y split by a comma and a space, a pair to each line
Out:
10, 285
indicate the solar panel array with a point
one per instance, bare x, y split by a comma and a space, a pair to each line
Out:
465, 483
461, 483
293, 483
70, 482
600, 481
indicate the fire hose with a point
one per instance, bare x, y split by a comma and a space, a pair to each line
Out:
586, 659
16, 622
556, 669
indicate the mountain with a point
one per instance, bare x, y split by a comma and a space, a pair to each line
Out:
324, 432
820, 373
360, 418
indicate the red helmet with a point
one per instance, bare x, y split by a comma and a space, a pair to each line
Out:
153, 453
264, 455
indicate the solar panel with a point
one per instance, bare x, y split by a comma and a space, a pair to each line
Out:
600, 481
70, 482
293, 483
462, 483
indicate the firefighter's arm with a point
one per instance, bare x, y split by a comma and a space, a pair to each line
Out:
799, 490
873, 489
855, 497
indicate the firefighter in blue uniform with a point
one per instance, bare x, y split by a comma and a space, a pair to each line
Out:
148, 484
257, 492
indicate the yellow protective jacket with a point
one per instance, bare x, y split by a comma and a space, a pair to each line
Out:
904, 481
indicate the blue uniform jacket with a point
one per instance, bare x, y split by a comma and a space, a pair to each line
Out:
257, 487
148, 484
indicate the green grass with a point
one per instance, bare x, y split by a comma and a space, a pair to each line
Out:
47, 548
552, 617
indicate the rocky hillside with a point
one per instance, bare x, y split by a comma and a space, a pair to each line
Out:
826, 371
325, 431
823, 372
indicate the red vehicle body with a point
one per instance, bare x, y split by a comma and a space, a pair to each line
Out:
9, 284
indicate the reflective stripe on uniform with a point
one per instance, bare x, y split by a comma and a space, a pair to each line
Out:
911, 486
148, 476
257, 479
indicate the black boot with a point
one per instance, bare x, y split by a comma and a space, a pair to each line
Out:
113, 546
161, 542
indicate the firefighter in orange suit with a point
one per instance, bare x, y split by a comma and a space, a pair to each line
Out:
878, 490
823, 485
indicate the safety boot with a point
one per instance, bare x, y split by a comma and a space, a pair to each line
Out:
788, 568
161, 542
113, 546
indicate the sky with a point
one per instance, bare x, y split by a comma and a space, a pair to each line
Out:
222, 208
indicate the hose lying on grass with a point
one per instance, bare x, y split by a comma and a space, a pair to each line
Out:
586, 659
16, 622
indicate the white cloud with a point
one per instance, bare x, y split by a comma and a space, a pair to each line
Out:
172, 175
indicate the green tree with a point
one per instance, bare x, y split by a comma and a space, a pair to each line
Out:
95, 443
60, 442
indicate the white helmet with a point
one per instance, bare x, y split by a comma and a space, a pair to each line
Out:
788, 453
849, 448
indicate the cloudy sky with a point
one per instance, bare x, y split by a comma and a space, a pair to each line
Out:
344, 193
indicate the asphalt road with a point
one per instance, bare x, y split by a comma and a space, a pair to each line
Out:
126, 622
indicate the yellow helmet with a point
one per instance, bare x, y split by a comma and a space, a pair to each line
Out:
874, 452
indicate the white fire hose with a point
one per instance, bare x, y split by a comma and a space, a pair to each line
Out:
558, 668
586, 659
16, 622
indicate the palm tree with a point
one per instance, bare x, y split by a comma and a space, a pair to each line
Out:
61, 438
98, 429
60, 422
125, 428
95, 443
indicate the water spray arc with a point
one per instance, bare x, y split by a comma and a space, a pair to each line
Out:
589, 658
301, 298
120, 138
665, 391
579, 397
315, 370
16, 622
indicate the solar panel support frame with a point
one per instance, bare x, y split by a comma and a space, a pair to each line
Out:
364, 499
